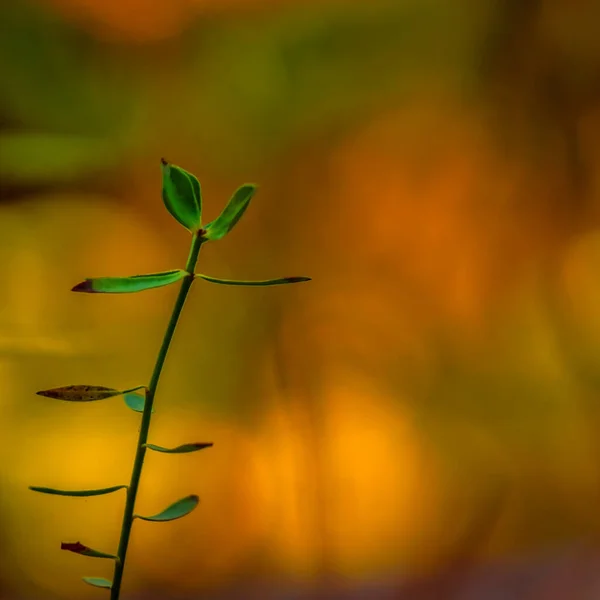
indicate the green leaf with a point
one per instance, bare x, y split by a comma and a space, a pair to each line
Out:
177, 510
183, 449
129, 285
79, 548
264, 282
135, 402
99, 582
182, 195
231, 214
79, 493
80, 393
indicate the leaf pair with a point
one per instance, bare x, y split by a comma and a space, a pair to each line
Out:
139, 283
182, 196
182, 449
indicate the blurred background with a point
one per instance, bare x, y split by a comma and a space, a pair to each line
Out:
422, 420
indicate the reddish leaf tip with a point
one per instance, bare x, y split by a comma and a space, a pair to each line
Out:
76, 547
298, 279
84, 286
164, 162
47, 394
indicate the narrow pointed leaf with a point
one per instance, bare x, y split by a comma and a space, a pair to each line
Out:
264, 282
128, 285
183, 449
231, 214
182, 195
79, 548
137, 388
178, 509
80, 393
98, 582
77, 493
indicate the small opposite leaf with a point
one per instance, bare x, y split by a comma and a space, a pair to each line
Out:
183, 449
231, 214
79, 548
182, 195
264, 282
80, 393
179, 509
99, 582
135, 402
78, 493
129, 285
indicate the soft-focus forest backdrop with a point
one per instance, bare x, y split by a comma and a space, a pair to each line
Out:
422, 420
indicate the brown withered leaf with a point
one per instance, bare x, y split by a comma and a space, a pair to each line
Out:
80, 393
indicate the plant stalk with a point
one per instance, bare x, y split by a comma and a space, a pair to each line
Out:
140, 454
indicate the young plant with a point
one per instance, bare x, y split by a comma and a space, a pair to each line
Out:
182, 197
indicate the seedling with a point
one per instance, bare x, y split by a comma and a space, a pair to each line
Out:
182, 197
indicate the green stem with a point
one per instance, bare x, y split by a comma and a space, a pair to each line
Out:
140, 454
